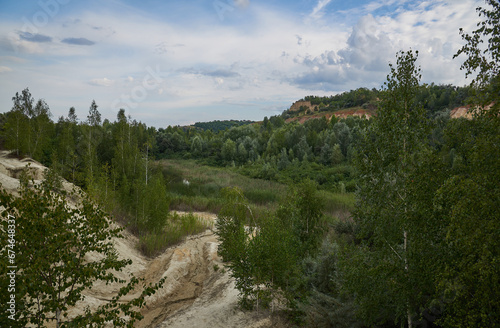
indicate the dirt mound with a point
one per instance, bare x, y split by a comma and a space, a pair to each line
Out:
467, 111
298, 104
463, 111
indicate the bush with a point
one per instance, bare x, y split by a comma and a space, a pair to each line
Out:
178, 227
261, 196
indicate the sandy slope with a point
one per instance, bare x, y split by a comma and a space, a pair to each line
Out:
198, 292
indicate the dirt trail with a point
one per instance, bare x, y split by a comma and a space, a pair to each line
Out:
198, 292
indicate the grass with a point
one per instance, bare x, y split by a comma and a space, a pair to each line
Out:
178, 227
205, 182
192, 187
337, 204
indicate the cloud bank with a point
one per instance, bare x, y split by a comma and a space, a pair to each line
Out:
261, 56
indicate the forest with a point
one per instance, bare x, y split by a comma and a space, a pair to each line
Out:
413, 237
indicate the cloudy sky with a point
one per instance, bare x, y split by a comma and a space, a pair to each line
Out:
183, 61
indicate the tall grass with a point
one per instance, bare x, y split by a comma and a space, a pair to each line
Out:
205, 182
337, 204
177, 228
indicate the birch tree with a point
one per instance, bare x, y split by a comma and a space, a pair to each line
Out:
390, 152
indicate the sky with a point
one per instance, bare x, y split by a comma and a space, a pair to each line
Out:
180, 62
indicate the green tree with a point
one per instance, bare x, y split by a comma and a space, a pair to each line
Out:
265, 258
274, 259
469, 198
154, 206
123, 144
53, 244
241, 154
283, 161
71, 135
331, 152
482, 49
40, 129
17, 127
391, 150
234, 240
303, 150
197, 146
344, 136
228, 150
92, 133
63, 146
302, 211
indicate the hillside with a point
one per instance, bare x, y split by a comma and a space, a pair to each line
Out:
364, 102
196, 293
303, 111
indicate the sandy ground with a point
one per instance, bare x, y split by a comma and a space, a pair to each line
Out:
198, 291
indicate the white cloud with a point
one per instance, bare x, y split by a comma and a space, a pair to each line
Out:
280, 57
241, 3
104, 82
430, 28
4, 69
317, 11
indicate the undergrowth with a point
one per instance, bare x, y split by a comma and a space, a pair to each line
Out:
176, 229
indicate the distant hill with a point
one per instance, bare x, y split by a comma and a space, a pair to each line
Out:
364, 102
220, 125
359, 102
308, 112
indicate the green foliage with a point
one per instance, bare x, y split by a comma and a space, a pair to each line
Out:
234, 241
347, 99
302, 210
467, 201
393, 147
482, 49
220, 125
469, 198
436, 98
230, 225
178, 227
265, 256
228, 151
327, 306
27, 129
56, 244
